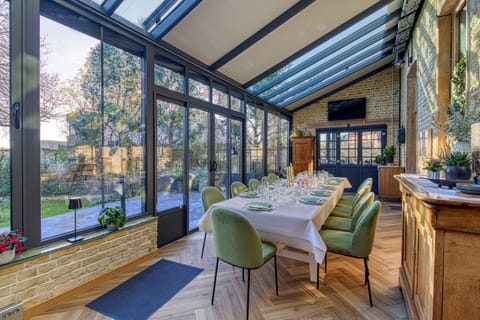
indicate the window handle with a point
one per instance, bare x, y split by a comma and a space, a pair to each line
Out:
16, 115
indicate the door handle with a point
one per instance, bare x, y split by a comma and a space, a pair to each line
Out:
16, 115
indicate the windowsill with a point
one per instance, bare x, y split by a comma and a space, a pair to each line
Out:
64, 244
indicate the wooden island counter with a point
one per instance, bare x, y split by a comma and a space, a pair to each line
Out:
440, 267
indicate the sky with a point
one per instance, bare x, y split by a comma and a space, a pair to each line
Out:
67, 51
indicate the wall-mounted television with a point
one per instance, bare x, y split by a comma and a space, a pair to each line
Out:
347, 109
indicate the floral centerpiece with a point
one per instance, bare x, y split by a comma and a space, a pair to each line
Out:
10, 243
433, 167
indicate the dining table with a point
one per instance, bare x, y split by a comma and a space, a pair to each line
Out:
291, 221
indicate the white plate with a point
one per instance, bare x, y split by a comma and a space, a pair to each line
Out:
260, 206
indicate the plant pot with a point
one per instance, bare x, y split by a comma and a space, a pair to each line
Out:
7, 256
112, 227
458, 173
435, 175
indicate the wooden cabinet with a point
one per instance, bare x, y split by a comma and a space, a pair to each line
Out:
303, 151
440, 267
387, 184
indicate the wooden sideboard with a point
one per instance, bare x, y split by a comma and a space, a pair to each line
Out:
303, 151
440, 267
387, 184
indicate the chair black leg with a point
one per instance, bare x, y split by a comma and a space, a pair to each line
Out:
276, 276
367, 280
215, 281
318, 275
248, 292
325, 262
243, 274
203, 246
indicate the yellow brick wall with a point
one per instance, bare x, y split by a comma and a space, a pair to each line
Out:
382, 93
46, 276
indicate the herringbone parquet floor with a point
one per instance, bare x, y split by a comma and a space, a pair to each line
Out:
342, 294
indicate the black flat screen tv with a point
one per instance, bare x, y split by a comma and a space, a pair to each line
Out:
347, 109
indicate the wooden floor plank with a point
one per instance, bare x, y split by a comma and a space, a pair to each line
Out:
342, 294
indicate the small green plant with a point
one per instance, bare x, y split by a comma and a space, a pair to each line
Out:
389, 153
457, 159
112, 217
296, 133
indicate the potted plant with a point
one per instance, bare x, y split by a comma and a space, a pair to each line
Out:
112, 217
296, 133
389, 153
433, 168
457, 166
10, 243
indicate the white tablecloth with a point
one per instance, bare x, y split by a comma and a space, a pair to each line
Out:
291, 223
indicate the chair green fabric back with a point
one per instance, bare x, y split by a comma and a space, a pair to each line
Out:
361, 207
271, 178
211, 195
364, 188
253, 184
364, 233
236, 240
237, 187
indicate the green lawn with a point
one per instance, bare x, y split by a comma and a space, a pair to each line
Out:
50, 208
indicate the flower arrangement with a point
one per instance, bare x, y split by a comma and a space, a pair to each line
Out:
11, 240
434, 165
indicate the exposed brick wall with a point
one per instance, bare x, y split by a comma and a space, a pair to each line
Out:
382, 92
41, 278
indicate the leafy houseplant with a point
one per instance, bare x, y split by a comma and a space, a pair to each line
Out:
296, 133
433, 168
458, 166
112, 217
389, 153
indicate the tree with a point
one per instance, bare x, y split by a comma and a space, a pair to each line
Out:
52, 99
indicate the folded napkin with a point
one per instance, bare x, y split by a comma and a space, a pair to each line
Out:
312, 200
249, 194
259, 205
321, 193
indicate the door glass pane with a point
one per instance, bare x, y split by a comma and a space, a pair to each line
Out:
170, 160
371, 146
221, 173
254, 155
4, 117
272, 143
327, 147
91, 140
236, 152
198, 164
348, 147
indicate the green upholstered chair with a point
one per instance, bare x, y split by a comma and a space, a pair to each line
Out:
271, 178
364, 187
253, 184
238, 243
356, 244
348, 224
210, 195
342, 209
237, 187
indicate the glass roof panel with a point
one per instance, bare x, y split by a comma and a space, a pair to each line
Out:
137, 11
324, 46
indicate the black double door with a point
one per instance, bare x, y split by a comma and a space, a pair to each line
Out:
351, 152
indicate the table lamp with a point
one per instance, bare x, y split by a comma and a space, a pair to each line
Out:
75, 203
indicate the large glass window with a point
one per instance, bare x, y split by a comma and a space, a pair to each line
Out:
236, 149
254, 156
4, 116
170, 159
236, 101
220, 95
91, 131
198, 87
170, 76
272, 142
198, 161
284, 138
